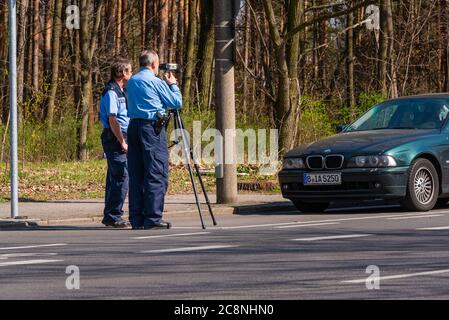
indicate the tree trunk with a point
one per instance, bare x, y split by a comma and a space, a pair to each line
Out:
383, 48
143, 25
149, 24
36, 37
246, 45
163, 30
205, 51
28, 74
76, 69
57, 28
111, 32
154, 40
21, 49
4, 110
283, 115
391, 54
118, 30
292, 50
88, 40
181, 43
173, 31
444, 46
47, 42
350, 99
124, 24
190, 56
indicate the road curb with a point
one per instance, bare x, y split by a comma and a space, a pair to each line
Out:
17, 224
97, 219
237, 209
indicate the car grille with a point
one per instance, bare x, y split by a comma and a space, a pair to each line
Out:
331, 162
334, 162
315, 162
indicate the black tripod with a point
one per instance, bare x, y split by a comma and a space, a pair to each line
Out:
179, 127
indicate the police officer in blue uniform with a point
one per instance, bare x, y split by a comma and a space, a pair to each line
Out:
115, 121
149, 96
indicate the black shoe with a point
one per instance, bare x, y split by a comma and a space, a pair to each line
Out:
162, 225
122, 224
138, 228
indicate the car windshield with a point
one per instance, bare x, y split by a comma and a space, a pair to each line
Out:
418, 113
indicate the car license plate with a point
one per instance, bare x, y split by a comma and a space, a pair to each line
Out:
317, 179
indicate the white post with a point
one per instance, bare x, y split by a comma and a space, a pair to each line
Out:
13, 106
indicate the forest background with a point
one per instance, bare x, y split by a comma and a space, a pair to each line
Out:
301, 66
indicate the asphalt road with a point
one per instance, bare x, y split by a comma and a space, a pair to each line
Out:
272, 256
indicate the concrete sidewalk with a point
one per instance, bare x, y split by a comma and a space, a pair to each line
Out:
85, 211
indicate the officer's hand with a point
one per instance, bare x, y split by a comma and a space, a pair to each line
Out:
170, 78
124, 146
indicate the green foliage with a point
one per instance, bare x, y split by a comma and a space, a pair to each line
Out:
315, 121
319, 119
366, 102
38, 142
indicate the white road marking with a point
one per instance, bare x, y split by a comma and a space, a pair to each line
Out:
260, 225
24, 255
188, 249
434, 228
186, 228
401, 276
171, 235
349, 236
309, 225
19, 263
417, 217
329, 220
38, 246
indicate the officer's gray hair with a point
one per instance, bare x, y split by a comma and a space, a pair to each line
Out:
147, 58
118, 67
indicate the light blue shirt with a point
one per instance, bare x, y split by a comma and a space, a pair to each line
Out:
112, 105
148, 95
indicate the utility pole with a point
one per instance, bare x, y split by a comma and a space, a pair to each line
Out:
226, 170
13, 106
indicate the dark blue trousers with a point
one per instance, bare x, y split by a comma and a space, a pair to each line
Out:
116, 178
148, 173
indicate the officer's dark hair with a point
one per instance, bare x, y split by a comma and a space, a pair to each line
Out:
118, 67
147, 58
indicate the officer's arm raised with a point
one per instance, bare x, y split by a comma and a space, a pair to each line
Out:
170, 95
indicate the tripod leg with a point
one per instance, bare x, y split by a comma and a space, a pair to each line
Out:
199, 176
204, 189
178, 125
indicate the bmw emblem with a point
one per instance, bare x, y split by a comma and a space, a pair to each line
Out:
327, 151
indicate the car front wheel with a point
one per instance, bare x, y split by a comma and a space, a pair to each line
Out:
306, 207
422, 187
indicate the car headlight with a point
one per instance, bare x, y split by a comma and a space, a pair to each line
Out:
293, 163
372, 162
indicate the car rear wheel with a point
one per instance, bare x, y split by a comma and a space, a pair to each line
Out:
306, 207
422, 187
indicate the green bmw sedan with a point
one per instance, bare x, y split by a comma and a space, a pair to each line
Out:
398, 150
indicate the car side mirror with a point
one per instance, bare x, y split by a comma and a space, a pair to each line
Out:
341, 128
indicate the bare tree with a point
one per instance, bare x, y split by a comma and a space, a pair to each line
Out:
57, 28
88, 38
190, 53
